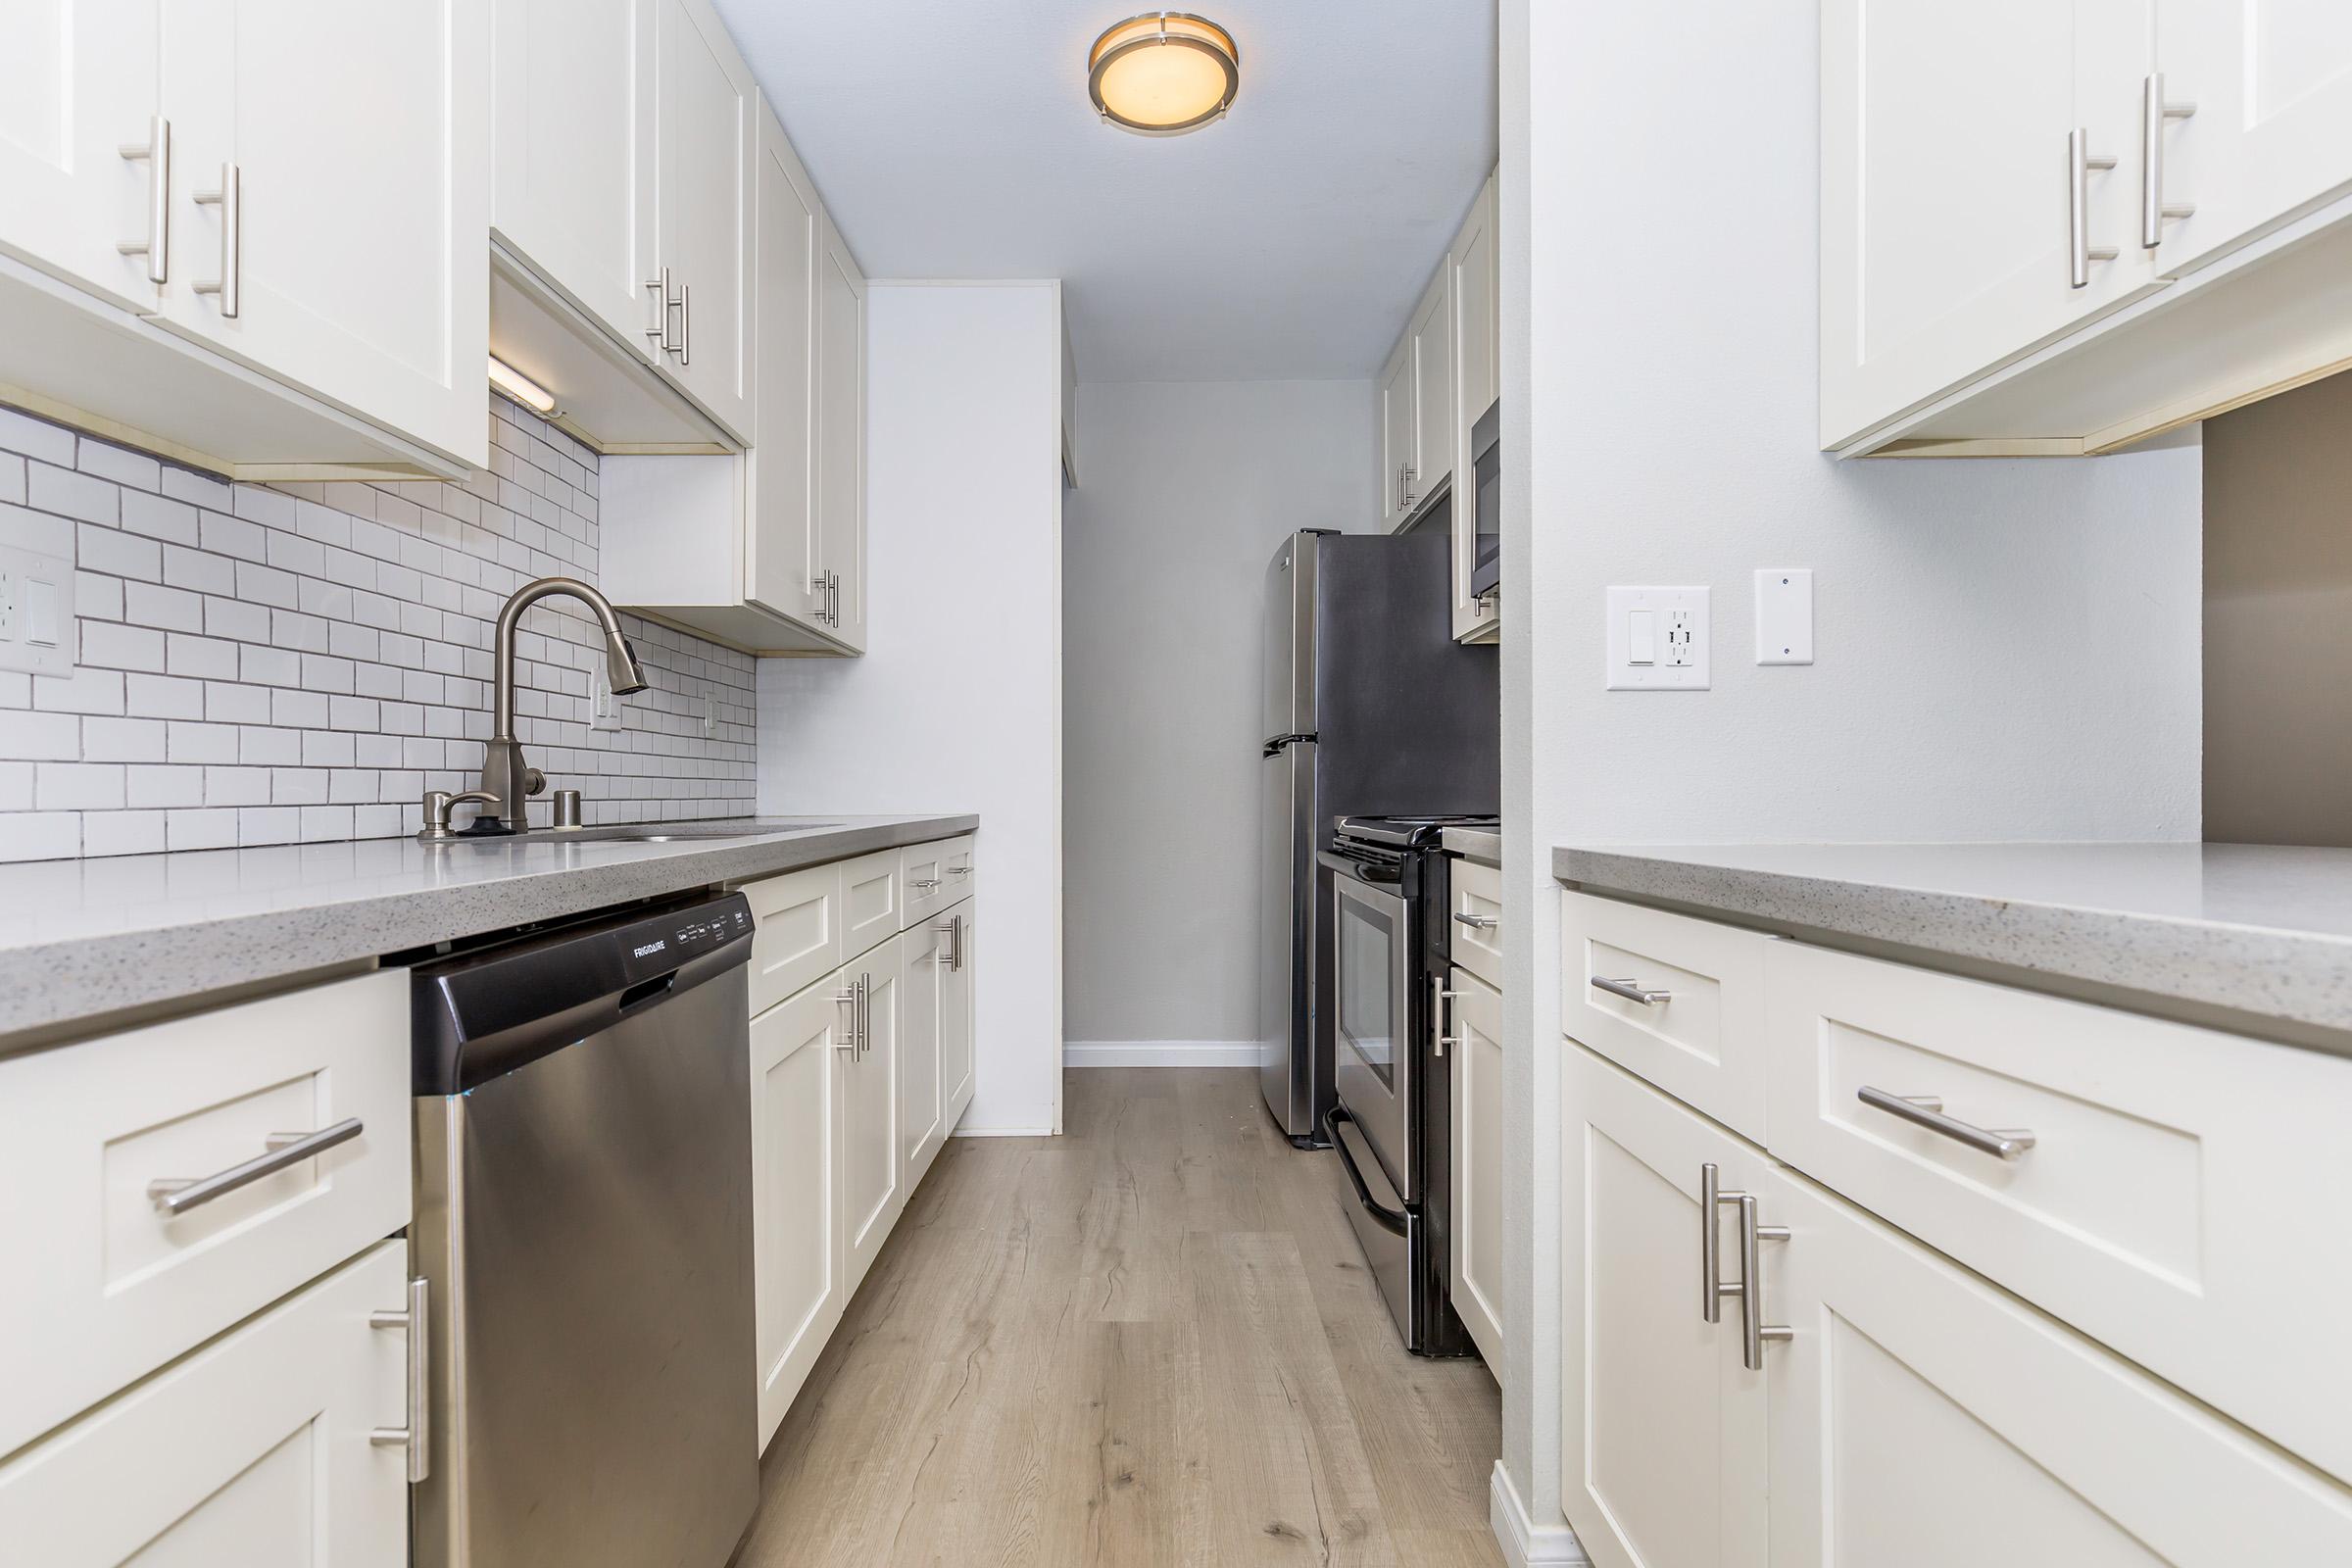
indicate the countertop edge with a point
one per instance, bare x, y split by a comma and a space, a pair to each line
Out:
2207, 972
55, 985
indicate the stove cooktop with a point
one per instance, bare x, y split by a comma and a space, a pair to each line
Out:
1407, 832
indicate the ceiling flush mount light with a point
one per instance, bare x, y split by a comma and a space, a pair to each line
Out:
1163, 73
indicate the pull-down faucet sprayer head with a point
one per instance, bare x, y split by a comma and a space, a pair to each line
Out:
620, 665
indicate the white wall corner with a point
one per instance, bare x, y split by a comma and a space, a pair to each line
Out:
1160, 1054
1525, 1544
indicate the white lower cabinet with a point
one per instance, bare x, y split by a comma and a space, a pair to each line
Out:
1890, 1407
873, 1177
1923, 1417
922, 1122
1474, 1044
956, 1011
799, 1050
254, 1450
1663, 1440
858, 1078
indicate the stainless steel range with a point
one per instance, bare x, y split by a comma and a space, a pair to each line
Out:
1393, 1119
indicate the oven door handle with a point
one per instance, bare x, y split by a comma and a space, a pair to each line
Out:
1394, 1220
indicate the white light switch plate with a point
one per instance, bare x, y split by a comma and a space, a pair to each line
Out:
36, 613
1666, 651
604, 708
1784, 615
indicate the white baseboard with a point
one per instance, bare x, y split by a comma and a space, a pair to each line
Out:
1002, 1132
1525, 1544
1160, 1054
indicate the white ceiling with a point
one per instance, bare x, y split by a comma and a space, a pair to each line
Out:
953, 138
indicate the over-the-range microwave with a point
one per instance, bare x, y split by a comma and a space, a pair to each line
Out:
1486, 467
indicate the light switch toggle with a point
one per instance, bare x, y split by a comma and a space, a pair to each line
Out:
1642, 637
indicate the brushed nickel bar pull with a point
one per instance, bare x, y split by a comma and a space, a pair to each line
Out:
685, 325
662, 301
229, 199
1477, 922
174, 1196
847, 999
2154, 112
416, 1436
1631, 991
1927, 1110
2079, 249
157, 154
1754, 1332
1711, 1196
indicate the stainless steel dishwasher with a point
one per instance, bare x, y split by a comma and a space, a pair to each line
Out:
583, 1223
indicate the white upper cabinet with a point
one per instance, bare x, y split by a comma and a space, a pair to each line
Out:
1955, 231
2060, 229
572, 140
840, 435
1434, 417
331, 200
78, 85
1477, 268
2271, 85
707, 111
1397, 432
780, 569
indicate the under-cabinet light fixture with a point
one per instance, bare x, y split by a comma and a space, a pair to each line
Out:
1163, 73
515, 384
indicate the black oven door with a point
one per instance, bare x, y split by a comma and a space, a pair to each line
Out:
1371, 984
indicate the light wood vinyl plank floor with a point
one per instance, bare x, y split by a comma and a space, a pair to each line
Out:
1150, 1341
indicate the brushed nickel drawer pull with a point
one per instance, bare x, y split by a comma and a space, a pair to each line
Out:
1631, 991
175, 1194
1927, 1110
157, 247
1477, 922
416, 1436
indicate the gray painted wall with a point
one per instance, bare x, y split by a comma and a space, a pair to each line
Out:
2279, 619
2007, 648
1184, 489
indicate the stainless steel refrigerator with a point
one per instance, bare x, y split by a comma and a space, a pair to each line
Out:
1371, 707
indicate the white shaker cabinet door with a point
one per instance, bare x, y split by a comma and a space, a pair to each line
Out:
77, 85
921, 952
1479, 1109
1397, 432
572, 152
1923, 1417
1433, 424
1947, 242
781, 569
955, 1015
797, 1052
707, 113
352, 138
873, 1180
253, 1450
1478, 369
1663, 1433
2271, 82
841, 431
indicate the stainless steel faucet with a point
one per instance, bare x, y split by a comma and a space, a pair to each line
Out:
505, 773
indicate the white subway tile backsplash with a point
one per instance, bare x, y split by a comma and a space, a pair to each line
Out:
300, 663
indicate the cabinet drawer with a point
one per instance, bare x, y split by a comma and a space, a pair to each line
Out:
1700, 1036
255, 1450
2179, 1200
1474, 918
963, 869
873, 902
1921, 1417
798, 937
105, 1286
923, 873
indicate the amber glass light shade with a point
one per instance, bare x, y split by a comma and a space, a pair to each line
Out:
1163, 73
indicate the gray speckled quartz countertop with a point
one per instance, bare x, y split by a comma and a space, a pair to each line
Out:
1473, 843
2246, 935
83, 938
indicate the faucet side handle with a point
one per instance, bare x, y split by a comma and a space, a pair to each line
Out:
439, 804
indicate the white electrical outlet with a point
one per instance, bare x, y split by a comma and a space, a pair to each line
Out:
710, 715
604, 708
36, 613
1657, 639
1784, 615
